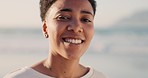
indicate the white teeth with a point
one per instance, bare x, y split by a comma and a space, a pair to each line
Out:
74, 41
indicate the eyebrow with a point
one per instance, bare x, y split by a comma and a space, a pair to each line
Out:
70, 10
87, 12
66, 10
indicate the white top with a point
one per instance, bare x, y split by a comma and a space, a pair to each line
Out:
28, 72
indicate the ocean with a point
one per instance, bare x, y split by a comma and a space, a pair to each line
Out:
119, 53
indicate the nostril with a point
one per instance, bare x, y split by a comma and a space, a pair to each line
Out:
75, 28
80, 30
69, 28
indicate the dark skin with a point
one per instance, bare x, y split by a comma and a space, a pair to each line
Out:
70, 29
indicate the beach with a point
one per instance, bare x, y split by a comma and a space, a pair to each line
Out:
118, 54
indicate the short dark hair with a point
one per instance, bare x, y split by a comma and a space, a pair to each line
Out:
46, 4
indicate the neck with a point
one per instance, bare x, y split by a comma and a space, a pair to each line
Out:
63, 68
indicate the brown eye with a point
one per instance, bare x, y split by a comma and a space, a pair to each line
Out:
86, 20
63, 18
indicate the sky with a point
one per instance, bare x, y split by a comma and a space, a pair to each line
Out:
26, 14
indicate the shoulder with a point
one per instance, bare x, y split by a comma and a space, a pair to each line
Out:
20, 73
97, 74
94, 74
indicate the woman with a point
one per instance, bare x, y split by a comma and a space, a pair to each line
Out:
68, 25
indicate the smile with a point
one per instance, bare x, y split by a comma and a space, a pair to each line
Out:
73, 40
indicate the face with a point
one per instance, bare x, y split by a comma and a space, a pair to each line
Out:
69, 24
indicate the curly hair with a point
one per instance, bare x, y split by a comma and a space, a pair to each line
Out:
46, 4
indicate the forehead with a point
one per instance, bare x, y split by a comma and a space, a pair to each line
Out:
76, 5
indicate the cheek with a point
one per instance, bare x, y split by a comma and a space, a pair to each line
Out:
54, 27
56, 30
52, 31
90, 31
60, 26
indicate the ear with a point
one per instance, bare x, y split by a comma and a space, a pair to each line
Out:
44, 29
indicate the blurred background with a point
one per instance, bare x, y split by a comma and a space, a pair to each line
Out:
119, 48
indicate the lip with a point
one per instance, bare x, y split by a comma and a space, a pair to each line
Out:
82, 41
73, 37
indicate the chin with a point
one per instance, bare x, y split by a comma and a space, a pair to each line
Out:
73, 56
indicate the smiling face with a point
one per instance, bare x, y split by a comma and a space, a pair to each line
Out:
69, 24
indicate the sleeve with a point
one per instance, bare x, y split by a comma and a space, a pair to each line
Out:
97, 74
20, 73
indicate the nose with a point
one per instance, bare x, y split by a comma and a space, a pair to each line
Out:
75, 26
